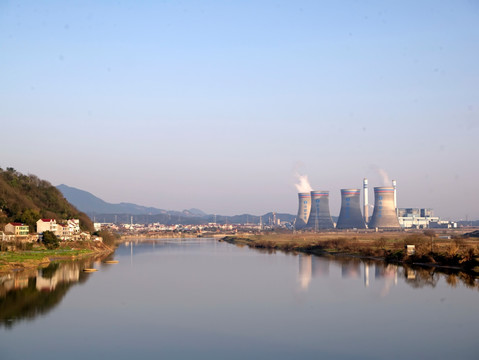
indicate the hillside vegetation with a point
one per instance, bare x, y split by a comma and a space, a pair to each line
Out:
26, 198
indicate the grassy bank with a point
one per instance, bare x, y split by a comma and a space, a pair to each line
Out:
39, 255
429, 250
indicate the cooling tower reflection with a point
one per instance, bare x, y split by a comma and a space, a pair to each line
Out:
311, 266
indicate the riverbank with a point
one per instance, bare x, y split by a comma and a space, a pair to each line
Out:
458, 253
40, 256
170, 235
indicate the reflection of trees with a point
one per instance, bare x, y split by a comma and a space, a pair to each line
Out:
452, 280
418, 277
414, 275
28, 303
50, 270
468, 280
26, 295
423, 277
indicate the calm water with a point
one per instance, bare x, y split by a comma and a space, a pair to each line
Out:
201, 299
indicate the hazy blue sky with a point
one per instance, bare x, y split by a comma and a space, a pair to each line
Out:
216, 104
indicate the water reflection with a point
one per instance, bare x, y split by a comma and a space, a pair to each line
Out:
305, 270
30, 293
366, 274
352, 268
206, 299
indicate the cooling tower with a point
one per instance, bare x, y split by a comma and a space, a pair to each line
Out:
384, 214
303, 210
395, 192
320, 217
350, 216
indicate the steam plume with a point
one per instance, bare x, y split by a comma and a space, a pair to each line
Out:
385, 177
303, 184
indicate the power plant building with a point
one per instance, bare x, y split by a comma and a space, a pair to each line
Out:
304, 210
384, 215
320, 216
350, 216
365, 201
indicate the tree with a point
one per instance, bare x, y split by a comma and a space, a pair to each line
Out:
108, 237
50, 240
30, 218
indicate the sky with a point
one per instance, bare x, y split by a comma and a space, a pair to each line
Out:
219, 105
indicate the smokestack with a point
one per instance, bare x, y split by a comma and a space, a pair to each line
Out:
384, 215
365, 200
350, 216
304, 210
320, 217
395, 195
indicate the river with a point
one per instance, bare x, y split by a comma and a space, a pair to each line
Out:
204, 299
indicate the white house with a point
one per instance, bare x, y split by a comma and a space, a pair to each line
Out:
74, 225
47, 225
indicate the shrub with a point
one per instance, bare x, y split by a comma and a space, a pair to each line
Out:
50, 240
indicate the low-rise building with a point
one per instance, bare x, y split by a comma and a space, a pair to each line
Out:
64, 232
74, 225
416, 218
47, 225
17, 229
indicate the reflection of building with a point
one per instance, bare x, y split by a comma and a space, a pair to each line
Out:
351, 269
13, 282
305, 270
388, 272
366, 274
65, 274
409, 273
320, 266
311, 266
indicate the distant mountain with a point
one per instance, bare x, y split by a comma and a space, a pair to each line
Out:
103, 211
89, 203
195, 212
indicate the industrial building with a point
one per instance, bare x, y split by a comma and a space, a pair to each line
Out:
415, 218
304, 209
314, 213
320, 217
350, 216
384, 214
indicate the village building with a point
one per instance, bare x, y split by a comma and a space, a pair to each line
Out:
74, 225
64, 232
47, 225
17, 229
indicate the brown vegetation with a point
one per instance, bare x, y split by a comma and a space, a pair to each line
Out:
26, 198
457, 252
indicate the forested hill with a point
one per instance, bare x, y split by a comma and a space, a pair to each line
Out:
26, 198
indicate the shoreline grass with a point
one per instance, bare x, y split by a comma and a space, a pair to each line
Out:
28, 259
458, 253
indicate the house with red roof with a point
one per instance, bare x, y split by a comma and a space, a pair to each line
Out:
17, 229
47, 225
